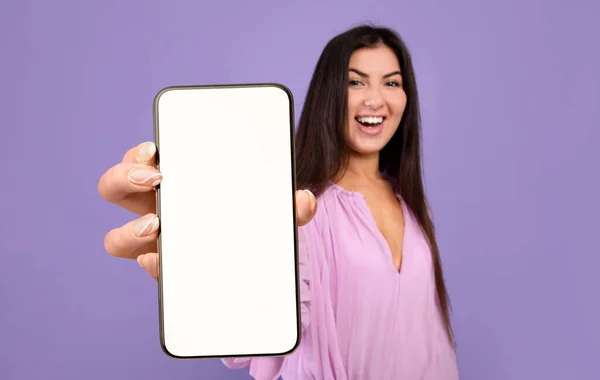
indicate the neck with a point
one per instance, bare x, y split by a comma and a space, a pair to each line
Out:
362, 168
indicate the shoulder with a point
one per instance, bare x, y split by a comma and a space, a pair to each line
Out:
328, 204
326, 209
315, 237
334, 207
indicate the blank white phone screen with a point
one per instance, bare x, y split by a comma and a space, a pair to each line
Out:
228, 282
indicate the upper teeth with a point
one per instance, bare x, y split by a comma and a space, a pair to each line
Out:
371, 120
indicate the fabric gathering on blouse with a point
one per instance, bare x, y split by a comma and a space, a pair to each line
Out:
361, 318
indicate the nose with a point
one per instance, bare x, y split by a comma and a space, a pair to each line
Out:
374, 98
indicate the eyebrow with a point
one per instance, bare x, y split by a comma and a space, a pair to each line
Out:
365, 75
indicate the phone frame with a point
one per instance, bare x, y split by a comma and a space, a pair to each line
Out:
156, 130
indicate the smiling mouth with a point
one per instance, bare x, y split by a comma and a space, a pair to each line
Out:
370, 121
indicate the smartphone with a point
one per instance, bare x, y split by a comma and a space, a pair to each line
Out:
227, 245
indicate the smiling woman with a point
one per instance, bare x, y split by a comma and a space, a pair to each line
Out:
374, 299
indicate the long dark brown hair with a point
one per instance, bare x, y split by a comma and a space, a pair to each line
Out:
320, 138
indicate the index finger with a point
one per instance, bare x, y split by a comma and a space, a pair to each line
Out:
144, 153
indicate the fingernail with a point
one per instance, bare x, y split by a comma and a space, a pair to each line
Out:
146, 152
144, 177
145, 226
140, 260
313, 200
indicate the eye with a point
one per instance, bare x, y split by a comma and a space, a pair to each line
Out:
393, 84
355, 83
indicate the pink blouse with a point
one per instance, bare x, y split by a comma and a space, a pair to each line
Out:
361, 318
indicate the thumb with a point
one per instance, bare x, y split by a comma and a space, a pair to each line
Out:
306, 206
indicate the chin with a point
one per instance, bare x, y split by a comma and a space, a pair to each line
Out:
366, 148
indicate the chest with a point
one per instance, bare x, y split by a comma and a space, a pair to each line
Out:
371, 236
375, 251
388, 217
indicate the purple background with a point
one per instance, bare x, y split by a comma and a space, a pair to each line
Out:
511, 99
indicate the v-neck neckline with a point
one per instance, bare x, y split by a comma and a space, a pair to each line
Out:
379, 235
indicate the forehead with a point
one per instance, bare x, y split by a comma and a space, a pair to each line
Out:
375, 60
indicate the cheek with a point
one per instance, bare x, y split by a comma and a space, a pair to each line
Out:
354, 103
397, 105
396, 109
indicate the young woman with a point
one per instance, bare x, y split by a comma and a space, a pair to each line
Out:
374, 303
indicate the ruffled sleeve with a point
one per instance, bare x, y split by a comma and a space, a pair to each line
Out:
269, 368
